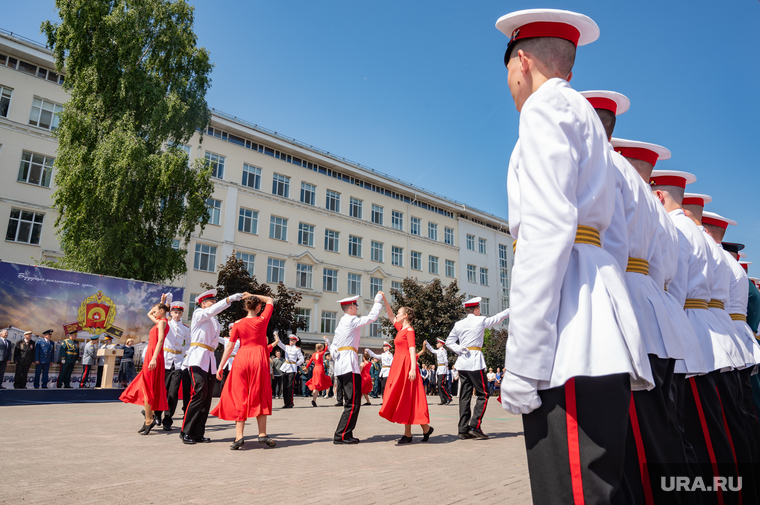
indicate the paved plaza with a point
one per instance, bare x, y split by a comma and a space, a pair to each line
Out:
92, 454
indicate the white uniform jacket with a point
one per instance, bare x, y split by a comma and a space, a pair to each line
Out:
441, 359
738, 296
224, 341
386, 359
694, 282
345, 344
466, 339
175, 343
561, 176
631, 234
204, 330
293, 358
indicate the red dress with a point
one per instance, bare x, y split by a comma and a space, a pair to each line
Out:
248, 390
404, 401
319, 380
150, 381
366, 378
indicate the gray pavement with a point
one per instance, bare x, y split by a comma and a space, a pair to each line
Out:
91, 453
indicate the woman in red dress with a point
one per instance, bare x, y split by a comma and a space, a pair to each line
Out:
248, 390
366, 377
404, 400
319, 380
149, 389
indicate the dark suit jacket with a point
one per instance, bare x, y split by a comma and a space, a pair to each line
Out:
5, 349
24, 352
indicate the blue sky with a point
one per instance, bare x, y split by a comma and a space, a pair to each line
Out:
418, 89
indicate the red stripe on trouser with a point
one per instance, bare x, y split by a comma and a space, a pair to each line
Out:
648, 496
85, 372
485, 391
573, 442
706, 433
730, 440
192, 393
353, 402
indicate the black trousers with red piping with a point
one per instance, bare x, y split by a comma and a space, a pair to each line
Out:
287, 388
443, 389
201, 392
172, 381
351, 384
472, 380
576, 440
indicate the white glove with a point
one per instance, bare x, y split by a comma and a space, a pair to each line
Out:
378, 297
169, 298
236, 297
327, 341
464, 352
519, 395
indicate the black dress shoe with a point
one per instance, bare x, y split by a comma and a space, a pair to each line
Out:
64, 387
267, 441
237, 444
443, 403
147, 427
426, 436
404, 440
313, 403
475, 432
203, 440
167, 428
368, 403
466, 436
339, 404
187, 439
346, 441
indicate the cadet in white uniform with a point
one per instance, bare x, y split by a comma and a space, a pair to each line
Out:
442, 369
201, 363
344, 349
574, 350
293, 359
466, 340
176, 341
386, 360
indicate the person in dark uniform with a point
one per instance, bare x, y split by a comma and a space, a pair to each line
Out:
127, 371
5, 355
44, 350
23, 355
69, 355
89, 358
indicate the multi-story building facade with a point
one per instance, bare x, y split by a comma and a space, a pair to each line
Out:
296, 214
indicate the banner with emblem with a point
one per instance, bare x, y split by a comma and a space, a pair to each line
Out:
38, 298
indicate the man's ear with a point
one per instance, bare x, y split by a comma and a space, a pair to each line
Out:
569, 76
524, 61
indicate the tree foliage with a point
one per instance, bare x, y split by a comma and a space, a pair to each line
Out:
436, 309
234, 278
138, 83
495, 347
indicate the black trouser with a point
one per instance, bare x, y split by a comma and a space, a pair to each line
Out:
85, 375
287, 388
338, 389
576, 440
172, 379
443, 389
472, 380
383, 380
753, 426
351, 386
22, 372
99, 377
455, 387
64, 376
186, 388
277, 385
3, 364
201, 392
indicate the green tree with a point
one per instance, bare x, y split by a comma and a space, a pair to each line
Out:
234, 278
494, 347
125, 188
436, 309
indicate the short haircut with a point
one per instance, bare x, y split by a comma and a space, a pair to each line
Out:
608, 119
715, 231
471, 310
557, 54
644, 169
346, 306
675, 192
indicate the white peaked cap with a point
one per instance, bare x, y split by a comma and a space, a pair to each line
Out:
386, 343
473, 302
349, 300
528, 23
646, 151
211, 293
612, 101
179, 305
671, 178
696, 199
716, 219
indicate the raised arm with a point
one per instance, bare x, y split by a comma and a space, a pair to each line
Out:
494, 320
430, 347
389, 311
373, 314
369, 351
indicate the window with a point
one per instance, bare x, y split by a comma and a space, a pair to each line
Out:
354, 284
416, 223
278, 228
308, 193
248, 221
448, 236
397, 286
484, 276
470, 242
481, 245
432, 231
377, 214
281, 185
191, 306
5, 100
354, 246
304, 315
35, 169
330, 280
397, 220
248, 260
355, 208
214, 210
216, 163
375, 285
306, 234
449, 268
416, 261
175, 244
433, 264
503, 276
303, 275
205, 257
332, 201
328, 321
485, 306
471, 275
44, 114
275, 270
331, 240
374, 330
397, 256
24, 226
377, 251
251, 176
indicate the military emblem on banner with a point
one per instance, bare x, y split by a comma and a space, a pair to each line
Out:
96, 313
